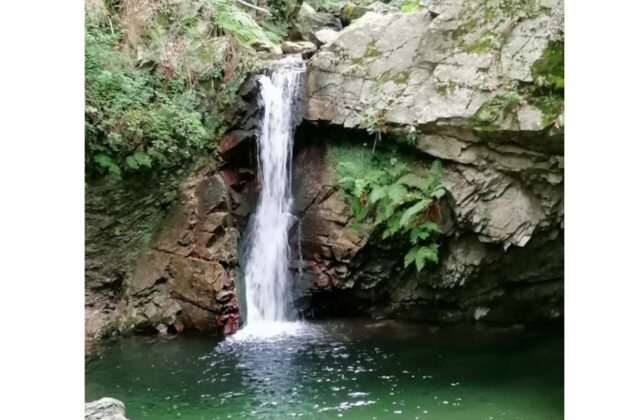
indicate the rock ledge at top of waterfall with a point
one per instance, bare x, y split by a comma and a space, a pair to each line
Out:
105, 409
438, 65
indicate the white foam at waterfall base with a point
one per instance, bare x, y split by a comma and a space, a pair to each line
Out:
266, 269
269, 330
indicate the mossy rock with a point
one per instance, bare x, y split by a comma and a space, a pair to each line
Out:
548, 70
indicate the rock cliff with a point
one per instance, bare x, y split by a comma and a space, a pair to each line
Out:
468, 83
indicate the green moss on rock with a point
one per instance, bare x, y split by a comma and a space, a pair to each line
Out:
548, 70
371, 50
491, 113
551, 107
401, 78
446, 88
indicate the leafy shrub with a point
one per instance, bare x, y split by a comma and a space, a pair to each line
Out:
228, 16
159, 76
548, 71
284, 10
135, 118
393, 195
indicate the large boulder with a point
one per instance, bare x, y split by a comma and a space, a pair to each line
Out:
309, 21
105, 409
351, 11
306, 48
454, 68
326, 36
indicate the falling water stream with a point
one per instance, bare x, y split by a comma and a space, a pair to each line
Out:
266, 268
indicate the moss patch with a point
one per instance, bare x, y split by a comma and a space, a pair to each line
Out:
493, 112
480, 46
551, 107
446, 88
410, 6
371, 50
401, 78
548, 70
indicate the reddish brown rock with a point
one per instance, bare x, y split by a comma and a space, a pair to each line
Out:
185, 278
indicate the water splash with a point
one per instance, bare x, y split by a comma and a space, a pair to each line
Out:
266, 270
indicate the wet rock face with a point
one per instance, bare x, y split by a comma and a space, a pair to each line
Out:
163, 253
186, 279
105, 409
183, 277
501, 254
120, 218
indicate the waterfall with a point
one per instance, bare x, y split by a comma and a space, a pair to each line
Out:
266, 267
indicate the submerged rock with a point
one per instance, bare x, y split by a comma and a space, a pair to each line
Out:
105, 409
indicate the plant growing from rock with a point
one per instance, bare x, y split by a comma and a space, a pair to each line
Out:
374, 124
397, 200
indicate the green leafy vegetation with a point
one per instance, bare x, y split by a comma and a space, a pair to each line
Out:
409, 6
136, 119
230, 17
399, 198
283, 10
548, 75
548, 71
160, 77
371, 50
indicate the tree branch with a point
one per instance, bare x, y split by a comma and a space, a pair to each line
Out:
260, 9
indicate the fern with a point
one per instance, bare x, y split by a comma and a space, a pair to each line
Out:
378, 192
107, 164
414, 181
395, 197
423, 232
138, 160
420, 255
396, 192
414, 210
230, 17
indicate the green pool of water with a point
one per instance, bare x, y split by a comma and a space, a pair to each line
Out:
342, 369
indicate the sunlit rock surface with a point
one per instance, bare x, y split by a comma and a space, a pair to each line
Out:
105, 409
